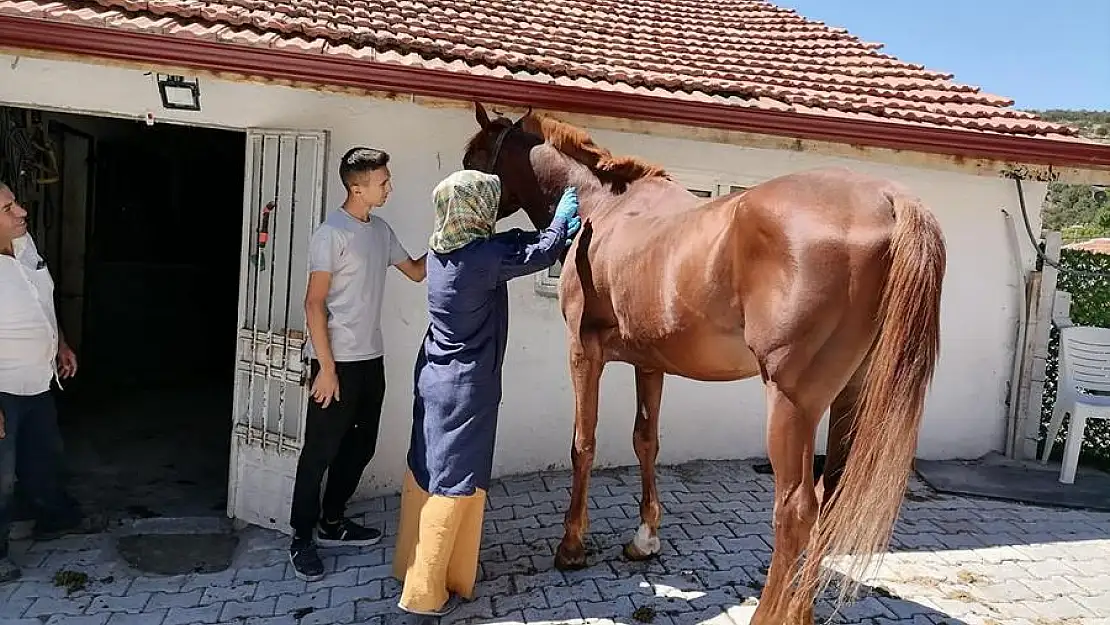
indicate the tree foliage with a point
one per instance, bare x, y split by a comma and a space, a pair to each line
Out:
1075, 205
1083, 209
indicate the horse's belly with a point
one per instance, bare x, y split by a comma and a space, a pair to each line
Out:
708, 357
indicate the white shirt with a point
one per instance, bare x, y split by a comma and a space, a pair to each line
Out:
28, 324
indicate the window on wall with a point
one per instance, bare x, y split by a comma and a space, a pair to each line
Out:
548, 281
700, 184
555, 271
719, 190
709, 185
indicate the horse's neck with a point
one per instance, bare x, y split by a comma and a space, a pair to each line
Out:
556, 171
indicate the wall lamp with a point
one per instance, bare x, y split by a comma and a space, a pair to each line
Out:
179, 93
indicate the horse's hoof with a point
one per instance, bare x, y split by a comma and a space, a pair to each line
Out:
633, 553
644, 545
570, 559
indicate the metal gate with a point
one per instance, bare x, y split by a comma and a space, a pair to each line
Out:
283, 198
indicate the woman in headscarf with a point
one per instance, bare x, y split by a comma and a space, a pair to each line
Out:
458, 384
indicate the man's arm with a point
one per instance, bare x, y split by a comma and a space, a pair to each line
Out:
67, 359
415, 270
325, 387
314, 306
323, 252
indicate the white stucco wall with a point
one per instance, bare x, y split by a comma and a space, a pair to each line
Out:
966, 412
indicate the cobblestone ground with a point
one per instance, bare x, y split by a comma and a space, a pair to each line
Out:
954, 560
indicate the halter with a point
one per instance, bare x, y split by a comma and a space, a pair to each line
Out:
497, 145
501, 140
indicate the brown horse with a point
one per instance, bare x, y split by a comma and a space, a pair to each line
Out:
825, 283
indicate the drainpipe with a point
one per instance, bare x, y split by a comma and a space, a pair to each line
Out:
1012, 434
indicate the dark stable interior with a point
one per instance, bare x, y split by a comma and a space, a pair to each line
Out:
141, 228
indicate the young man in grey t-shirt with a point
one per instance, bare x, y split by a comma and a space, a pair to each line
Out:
348, 259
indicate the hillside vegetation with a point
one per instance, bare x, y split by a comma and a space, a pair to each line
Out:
1091, 124
1078, 211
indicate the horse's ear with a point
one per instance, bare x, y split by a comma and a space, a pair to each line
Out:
520, 121
480, 115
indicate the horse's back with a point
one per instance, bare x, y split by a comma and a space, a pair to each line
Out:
835, 194
674, 283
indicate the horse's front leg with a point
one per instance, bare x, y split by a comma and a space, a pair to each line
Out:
585, 369
645, 440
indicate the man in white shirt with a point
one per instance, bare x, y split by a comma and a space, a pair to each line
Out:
32, 355
348, 259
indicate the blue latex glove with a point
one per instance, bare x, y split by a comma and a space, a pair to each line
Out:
568, 211
568, 204
573, 225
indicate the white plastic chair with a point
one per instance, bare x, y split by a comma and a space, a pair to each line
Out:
1083, 391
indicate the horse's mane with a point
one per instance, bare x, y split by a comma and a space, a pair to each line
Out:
577, 144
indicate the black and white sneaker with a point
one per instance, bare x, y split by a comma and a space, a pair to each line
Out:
306, 562
346, 533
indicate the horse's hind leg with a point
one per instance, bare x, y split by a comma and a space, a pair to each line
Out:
841, 418
790, 441
645, 440
585, 369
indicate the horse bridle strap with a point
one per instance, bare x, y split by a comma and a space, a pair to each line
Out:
497, 148
501, 141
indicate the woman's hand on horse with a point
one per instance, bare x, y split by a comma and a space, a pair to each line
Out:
568, 204
573, 225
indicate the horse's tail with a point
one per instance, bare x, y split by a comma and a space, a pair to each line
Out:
861, 514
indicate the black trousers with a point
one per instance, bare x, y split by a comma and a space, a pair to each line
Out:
340, 439
32, 450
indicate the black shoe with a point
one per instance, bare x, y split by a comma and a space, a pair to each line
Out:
346, 532
306, 562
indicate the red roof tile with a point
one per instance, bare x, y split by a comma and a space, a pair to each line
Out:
747, 53
1097, 246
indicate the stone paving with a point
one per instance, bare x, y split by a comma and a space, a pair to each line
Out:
954, 560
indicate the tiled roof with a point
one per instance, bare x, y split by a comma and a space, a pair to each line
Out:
747, 53
1097, 246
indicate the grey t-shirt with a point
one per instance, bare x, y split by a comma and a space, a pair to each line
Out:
357, 255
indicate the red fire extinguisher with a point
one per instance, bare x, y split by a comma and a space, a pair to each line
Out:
264, 232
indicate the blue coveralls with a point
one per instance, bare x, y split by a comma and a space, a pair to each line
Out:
458, 370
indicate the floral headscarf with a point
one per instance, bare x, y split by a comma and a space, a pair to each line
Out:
466, 209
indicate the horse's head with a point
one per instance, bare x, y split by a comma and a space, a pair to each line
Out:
504, 148
537, 157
